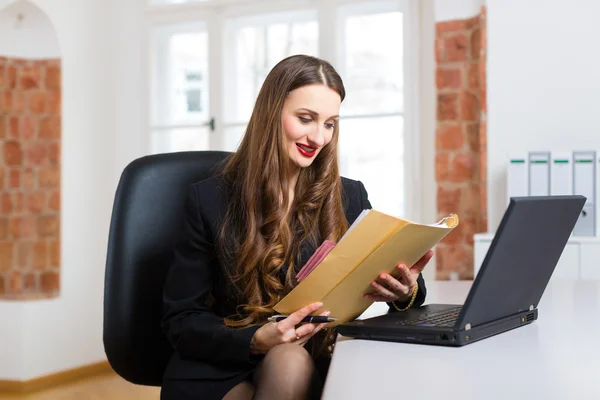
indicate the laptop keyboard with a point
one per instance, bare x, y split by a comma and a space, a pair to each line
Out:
444, 318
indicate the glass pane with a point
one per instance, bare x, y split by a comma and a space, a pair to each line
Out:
372, 150
233, 137
183, 139
254, 46
372, 67
180, 75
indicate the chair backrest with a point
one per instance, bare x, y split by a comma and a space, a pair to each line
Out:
147, 212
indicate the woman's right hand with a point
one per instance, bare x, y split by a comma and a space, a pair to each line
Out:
285, 331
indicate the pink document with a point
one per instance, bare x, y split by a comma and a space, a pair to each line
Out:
315, 259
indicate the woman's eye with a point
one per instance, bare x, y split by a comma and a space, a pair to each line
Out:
330, 125
304, 120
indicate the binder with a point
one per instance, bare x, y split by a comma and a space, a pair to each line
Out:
584, 183
539, 173
561, 173
374, 243
517, 176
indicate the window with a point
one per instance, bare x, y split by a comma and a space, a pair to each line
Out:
209, 65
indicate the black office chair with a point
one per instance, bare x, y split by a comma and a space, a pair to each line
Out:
146, 214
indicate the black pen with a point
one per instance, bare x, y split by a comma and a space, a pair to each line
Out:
317, 319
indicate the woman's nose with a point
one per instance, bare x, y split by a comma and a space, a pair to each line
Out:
317, 138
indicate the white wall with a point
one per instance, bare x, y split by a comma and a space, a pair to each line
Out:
446, 10
43, 337
543, 83
31, 37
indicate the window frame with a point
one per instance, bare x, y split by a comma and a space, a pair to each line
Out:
214, 14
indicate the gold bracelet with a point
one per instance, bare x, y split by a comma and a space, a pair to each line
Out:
412, 299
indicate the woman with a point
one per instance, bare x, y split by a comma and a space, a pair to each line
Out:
246, 233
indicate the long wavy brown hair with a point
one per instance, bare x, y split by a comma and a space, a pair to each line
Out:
259, 238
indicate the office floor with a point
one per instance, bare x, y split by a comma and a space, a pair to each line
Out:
106, 386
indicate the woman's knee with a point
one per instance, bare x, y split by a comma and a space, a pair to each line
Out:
289, 356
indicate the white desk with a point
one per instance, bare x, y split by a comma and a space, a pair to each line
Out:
556, 357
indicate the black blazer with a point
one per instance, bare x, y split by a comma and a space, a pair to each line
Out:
204, 347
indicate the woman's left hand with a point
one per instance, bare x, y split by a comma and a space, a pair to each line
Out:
390, 289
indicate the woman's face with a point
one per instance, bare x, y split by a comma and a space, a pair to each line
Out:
309, 116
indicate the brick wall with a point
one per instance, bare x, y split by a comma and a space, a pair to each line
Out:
461, 139
30, 132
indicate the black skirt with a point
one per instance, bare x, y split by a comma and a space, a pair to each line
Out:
204, 389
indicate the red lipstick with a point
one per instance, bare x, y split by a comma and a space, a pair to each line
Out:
305, 150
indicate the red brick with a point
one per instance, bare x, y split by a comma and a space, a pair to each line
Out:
483, 166
23, 254
482, 135
53, 78
439, 50
54, 250
36, 202
448, 78
22, 227
469, 227
6, 203
2, 286
456, 236
29, 77
473, 77
19, 102
475, 43
463, 168
449, 137
2, 178
14, 127
47, 225
14, 178
2, 75
469, 105
38, 102
49, 177
456, 258
54, 103
28, 127
456, 47
29, 177
447, 109
3, 124
50, 282
483, 84
5, 101
30, 282
18, 202
469, 204
483, 28
40, 255
6, 254
12, 153
472, 130
15, 282
3, 228
472, 22
36, 154
450, 26
54, 153
11, 77
50, 128
442, 167
448, 201
54, 201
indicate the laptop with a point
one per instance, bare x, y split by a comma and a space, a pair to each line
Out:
513, 276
